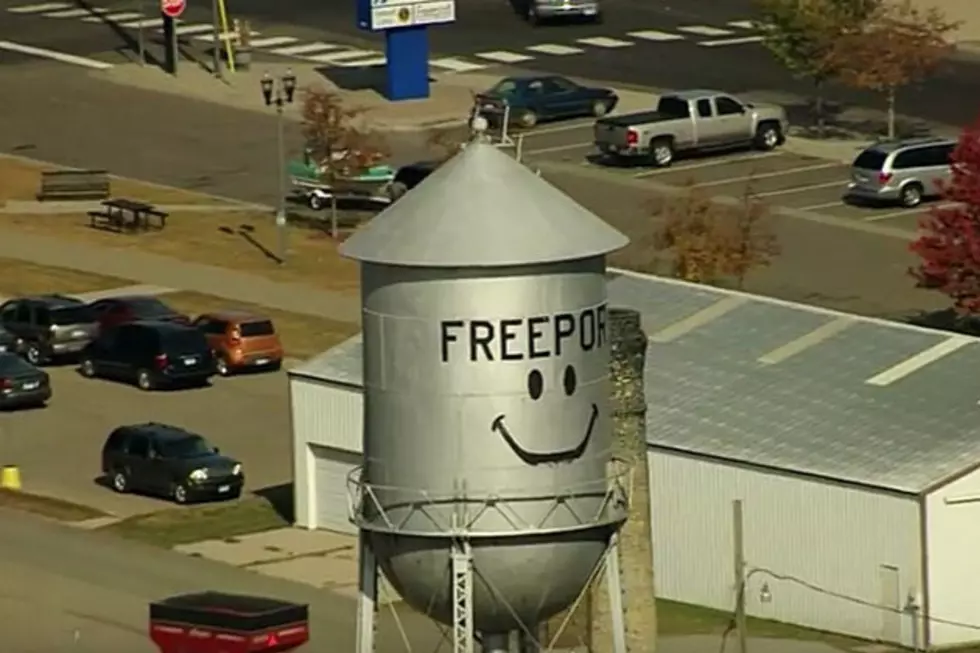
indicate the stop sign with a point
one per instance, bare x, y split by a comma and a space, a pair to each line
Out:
173, 8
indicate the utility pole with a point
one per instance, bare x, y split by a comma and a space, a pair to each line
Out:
738, 543
216, 40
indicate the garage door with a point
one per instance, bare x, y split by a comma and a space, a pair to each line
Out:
330, 488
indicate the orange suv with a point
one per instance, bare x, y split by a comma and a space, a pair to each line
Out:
241, 341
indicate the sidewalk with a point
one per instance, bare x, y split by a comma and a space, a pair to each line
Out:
152, 269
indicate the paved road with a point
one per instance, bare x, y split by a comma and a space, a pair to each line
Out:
667, 45
68, 591
246, 416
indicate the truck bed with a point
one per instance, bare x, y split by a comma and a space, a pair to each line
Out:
633, 119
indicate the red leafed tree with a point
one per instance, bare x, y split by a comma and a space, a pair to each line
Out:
949, 244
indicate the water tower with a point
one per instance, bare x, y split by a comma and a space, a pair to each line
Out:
488, 493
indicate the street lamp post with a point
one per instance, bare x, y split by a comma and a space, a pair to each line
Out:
279, 92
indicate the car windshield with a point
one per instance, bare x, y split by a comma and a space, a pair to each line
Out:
193, 446
72, 315
150, 307
12, 365
258, 328
870, 160
504, 87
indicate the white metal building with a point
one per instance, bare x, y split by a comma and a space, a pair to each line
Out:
853, 444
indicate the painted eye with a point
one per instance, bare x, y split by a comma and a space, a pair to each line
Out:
535, 384
570, 381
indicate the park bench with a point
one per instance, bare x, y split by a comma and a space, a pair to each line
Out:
74, 184
121, 214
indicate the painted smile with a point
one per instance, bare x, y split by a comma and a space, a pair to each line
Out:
537, 458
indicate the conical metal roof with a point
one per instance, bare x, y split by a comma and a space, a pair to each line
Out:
482, 209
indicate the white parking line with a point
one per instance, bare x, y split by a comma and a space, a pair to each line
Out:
768, 175
54, 55
559, 148
705, 164
541, 131
800, 189
743, 24
113, 18
825, 205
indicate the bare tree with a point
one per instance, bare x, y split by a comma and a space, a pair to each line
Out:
898, 45
339, 142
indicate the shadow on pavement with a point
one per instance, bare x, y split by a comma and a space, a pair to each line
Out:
363, 78
280, 497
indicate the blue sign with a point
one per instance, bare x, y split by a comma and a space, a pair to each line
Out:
381, 15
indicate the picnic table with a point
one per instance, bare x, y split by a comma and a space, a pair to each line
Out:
124, 214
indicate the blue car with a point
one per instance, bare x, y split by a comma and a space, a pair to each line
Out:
532, 99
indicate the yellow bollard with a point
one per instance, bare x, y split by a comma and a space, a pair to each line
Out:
10, 477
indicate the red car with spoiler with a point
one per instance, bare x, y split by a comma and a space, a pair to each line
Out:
214, 622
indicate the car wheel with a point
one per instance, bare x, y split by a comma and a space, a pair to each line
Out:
33, 355
528, 119
179, 494
768, 136
600, 108
237, 494
144, 380
275, 367
222, 366
315, 202
120, 481
663, 152
87, 368
397, 190
911, 195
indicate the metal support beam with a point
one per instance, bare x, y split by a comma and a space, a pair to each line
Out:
615, 591
367, 595
462, 573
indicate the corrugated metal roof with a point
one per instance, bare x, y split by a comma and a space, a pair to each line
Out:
793, 387
482, 209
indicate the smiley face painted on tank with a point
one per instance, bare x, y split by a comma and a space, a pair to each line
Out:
551, 416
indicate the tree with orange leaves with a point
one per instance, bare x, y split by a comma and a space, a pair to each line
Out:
949, 244
339, 142
897, 45
703, 241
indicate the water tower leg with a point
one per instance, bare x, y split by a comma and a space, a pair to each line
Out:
615, 591
367, 594
462, 572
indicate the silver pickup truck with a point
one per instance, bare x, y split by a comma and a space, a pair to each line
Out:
690, 120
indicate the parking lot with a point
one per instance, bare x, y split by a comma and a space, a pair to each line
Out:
781, 178
58, 447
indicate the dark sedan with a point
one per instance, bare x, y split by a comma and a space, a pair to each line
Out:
113, 311
21, 384
532, 99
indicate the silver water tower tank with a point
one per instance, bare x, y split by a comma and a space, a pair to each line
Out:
486, 411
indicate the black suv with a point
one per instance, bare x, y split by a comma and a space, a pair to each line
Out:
169, 461
151, 354
49, 326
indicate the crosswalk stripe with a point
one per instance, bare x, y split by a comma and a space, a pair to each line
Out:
456, 65
38, 8
224, 36
191, 29
704, 30
143, 23
332, 57
743, 24
78, 13
113, 18
304, 48
554, 48
604, 42
503, 56
54, 55
654, 35
273, 41
379, 60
